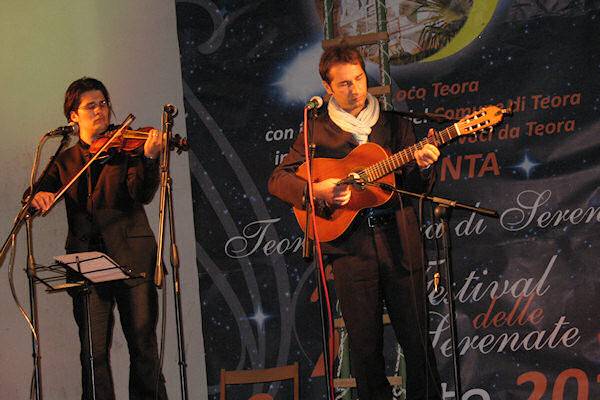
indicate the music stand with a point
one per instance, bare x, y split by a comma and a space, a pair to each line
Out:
90, 268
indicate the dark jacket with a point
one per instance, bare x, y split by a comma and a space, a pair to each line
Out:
391, 132
112, 212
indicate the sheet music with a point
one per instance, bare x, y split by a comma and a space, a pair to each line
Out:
95, 266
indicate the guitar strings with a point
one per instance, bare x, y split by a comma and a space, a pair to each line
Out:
395, 161
406, 155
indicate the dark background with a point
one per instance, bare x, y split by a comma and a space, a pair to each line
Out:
256, 306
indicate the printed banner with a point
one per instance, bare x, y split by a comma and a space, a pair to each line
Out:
525, 284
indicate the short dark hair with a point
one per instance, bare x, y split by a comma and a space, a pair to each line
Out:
77, 88
338, 55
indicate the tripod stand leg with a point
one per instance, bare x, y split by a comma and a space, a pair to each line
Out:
90, 343
444, 214
177, 296
35, 339
37, 383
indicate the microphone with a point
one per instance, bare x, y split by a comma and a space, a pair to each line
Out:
71, 129
170, 109
314, 103
352, 179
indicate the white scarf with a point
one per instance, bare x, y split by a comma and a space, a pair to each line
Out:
360, 126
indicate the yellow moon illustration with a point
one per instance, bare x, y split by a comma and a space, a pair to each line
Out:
480, 15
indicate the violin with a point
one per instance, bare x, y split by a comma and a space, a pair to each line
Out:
131, 140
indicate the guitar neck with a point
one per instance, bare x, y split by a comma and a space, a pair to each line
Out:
406, 155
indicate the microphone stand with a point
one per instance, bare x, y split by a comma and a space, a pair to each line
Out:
26, 215
26, 210
443, 210
443, 213
307, 254
308, 244
33, 310
166, 204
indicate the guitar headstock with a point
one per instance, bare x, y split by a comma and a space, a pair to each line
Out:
482, 119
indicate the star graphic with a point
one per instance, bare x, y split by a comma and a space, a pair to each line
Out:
260, 317
527, 165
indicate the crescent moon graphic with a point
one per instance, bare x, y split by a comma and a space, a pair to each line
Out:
480, 15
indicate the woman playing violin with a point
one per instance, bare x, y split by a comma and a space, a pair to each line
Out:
105, 213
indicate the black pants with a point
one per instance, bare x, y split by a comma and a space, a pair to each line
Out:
366, 281
138, 307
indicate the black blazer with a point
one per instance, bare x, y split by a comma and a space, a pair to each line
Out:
391, 132
112, 210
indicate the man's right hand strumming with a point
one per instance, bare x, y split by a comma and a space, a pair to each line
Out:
332, 193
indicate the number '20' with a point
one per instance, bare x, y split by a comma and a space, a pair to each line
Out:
540, 383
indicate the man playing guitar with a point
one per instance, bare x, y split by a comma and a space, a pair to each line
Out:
378, 259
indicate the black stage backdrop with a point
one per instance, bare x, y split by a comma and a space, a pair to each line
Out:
525, 284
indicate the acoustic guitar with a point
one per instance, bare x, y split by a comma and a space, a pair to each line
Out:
369, 164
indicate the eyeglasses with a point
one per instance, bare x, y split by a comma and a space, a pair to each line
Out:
92, 106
